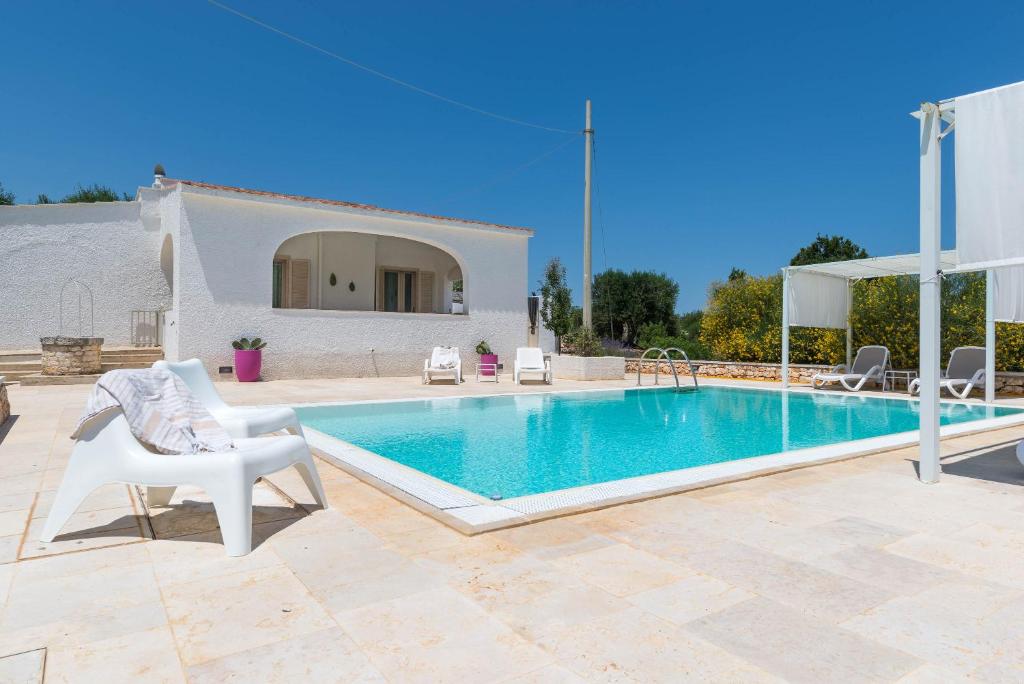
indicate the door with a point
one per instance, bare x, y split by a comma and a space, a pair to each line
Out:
399, 291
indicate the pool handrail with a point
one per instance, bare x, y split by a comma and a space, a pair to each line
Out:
663, 353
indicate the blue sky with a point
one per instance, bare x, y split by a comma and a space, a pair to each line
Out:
728, 134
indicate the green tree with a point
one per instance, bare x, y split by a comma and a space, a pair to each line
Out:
688, 324
737, 274
623, 302
42, 198
556, 310
5, 196
94, 193
826, 248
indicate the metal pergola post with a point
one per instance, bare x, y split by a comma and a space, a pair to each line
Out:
990, 335
785, 328
931, 190
849, 325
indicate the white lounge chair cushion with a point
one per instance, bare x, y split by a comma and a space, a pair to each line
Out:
836, 377
444, 358
530, 359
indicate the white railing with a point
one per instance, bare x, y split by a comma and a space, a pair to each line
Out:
147, 328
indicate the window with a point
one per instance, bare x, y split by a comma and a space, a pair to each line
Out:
290, 283
278, 296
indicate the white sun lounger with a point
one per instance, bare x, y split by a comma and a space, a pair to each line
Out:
444, 362
240, 422
531, 360
870, 364
964, 372
107, 452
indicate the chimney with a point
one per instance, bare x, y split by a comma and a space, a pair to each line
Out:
158, 176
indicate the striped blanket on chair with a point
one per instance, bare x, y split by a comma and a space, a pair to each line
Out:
160, 409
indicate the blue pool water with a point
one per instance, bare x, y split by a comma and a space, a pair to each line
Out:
526, 444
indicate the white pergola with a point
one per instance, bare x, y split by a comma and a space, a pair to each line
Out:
989, 237
820, 296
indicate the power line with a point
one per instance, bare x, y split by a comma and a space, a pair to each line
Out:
508, 174
386, 77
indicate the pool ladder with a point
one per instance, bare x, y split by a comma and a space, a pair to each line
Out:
663, 354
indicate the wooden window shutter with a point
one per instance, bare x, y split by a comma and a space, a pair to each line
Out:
299, 298
426, 292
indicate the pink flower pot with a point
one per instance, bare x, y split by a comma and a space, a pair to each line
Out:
488, 358
247, 364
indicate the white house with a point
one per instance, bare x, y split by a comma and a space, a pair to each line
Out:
335, 288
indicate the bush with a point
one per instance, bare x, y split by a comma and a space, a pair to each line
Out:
584, 342
655, 335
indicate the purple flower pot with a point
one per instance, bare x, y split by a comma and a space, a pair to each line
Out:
488, 358
247, 364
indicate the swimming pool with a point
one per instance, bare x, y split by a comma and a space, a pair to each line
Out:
503, 447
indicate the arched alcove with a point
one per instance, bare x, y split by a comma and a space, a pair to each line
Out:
167, 262
347, 271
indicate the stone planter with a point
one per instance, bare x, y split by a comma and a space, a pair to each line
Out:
568, 367
71, 355
5, 404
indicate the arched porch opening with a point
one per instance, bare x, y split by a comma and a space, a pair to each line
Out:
347, 271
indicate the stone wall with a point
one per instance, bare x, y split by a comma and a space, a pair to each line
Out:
734, 370
1010, 383
71, 355
1006, 382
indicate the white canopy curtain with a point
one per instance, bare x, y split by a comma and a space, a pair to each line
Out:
990, 176
819, 295
989, 128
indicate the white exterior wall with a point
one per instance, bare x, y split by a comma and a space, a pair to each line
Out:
350, 257
108, 246
224, 250
164, 209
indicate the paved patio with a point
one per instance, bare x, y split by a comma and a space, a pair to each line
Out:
845, 572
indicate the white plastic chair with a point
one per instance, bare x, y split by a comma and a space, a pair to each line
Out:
870, 364
964, 372
434, 365
108, 452
240, 422
531, 360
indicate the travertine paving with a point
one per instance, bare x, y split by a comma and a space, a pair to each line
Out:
847, 572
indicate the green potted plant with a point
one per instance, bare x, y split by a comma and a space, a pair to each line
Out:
484, 350
248, 358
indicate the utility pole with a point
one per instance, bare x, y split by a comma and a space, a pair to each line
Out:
588, 134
